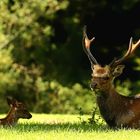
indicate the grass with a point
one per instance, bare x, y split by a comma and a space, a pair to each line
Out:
63, 127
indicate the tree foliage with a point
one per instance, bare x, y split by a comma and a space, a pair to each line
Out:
41, 58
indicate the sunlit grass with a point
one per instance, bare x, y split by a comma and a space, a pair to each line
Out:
63, 127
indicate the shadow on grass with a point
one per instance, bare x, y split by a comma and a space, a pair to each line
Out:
59, 127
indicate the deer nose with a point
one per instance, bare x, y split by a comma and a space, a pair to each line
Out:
93, 86
29, 116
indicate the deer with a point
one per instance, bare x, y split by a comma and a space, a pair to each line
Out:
117, 110
17, 111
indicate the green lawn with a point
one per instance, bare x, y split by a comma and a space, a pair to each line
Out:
63, 127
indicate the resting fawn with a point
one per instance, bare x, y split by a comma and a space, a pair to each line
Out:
117, 110
17, 111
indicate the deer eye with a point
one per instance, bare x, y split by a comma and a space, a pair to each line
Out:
105, 78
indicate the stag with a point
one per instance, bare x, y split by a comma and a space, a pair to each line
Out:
17, 111
117, 110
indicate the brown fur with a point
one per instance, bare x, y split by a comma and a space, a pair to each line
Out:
117, 110
17, 111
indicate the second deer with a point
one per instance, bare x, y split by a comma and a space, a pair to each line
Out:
17, 111
117, 110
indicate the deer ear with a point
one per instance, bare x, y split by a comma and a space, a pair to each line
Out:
118, 70
11, 101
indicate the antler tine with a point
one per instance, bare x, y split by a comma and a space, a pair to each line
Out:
135, 46
86, 44
131, 49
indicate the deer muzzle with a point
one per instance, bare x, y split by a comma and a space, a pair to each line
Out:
93, 85
29, 116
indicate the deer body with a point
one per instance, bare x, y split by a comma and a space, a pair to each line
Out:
119, 111
116, 109
17, 111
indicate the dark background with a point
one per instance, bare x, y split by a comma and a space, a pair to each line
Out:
42, 60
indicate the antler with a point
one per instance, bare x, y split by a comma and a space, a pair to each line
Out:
86, 44
131, 49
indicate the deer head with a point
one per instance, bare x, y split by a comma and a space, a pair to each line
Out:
18, 109
103, 76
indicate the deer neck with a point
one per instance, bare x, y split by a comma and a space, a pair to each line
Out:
10, 119
108, 90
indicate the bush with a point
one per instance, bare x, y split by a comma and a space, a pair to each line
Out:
60, 99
